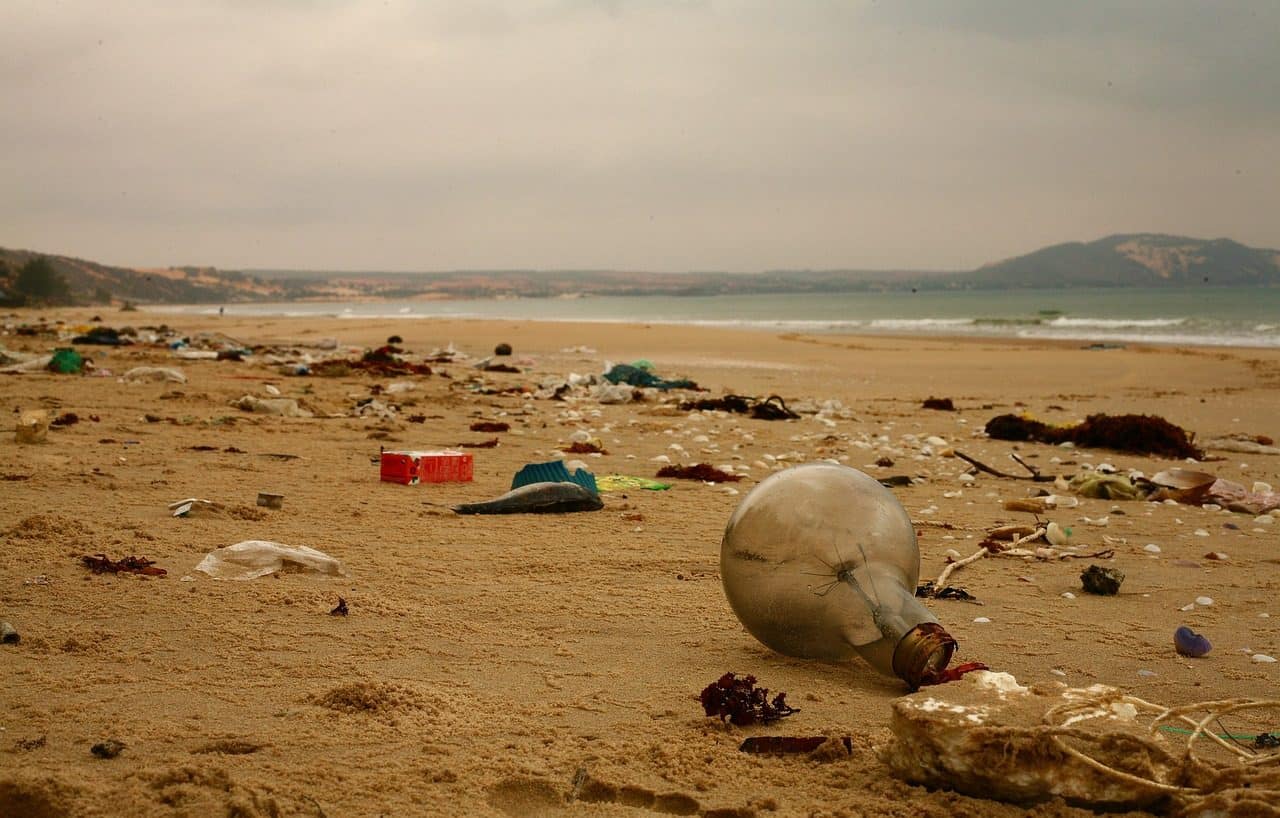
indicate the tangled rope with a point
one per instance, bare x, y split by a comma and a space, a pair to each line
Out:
1059, 727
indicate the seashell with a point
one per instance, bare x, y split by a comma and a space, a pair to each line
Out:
1189, 643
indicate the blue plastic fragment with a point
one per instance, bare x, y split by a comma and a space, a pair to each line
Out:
554, 472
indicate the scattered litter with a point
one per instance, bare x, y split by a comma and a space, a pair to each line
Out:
194, 507
788, 745
153, 374
538, 498
929, 590
385, 361
108, 749
1189, 643
623, 482
102, 564
33, 427
772, 558
701, 471
1260, 444
895, 481
1105, 486
413, 467
639, 376
1204, 601
268, 500
1262, 657
771, 408
285, 407
554, 471
66, 361
740, 702
1056, 535
1101, 581
1151, 548
1095, 747
257, 558
491, 443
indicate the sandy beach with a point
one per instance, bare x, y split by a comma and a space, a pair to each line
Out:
551, 664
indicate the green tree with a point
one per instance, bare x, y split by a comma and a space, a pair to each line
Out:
39, 282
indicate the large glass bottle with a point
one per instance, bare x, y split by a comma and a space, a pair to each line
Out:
820, 561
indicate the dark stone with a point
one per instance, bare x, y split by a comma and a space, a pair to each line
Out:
1101, 581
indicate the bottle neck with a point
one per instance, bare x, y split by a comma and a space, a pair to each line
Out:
923, 654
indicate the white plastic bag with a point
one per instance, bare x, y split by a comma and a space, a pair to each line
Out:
257, 558
141, 374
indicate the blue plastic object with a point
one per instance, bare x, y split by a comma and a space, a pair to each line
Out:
554, 472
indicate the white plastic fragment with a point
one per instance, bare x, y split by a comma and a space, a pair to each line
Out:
143, 374
1204, 601
257, 558
1262, 657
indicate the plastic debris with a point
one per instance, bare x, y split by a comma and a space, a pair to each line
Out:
412, 467
284, 407
623, 482
554, 471
258, 558
195, 507
32, 427
66, 361
638, 376
1189, 643
153, 374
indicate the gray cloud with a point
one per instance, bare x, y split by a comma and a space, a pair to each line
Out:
626, 134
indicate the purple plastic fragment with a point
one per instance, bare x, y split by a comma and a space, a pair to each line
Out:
1189, 643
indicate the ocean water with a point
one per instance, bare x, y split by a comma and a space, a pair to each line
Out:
1213, 316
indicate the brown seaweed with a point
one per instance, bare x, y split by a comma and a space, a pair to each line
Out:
702, 471
1140, 434
578, 447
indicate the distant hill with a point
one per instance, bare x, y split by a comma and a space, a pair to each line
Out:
1132, 260
1129, 260
92, 282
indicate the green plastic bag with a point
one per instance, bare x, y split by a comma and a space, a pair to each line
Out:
66, 361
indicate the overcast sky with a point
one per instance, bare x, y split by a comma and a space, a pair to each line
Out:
631, 134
